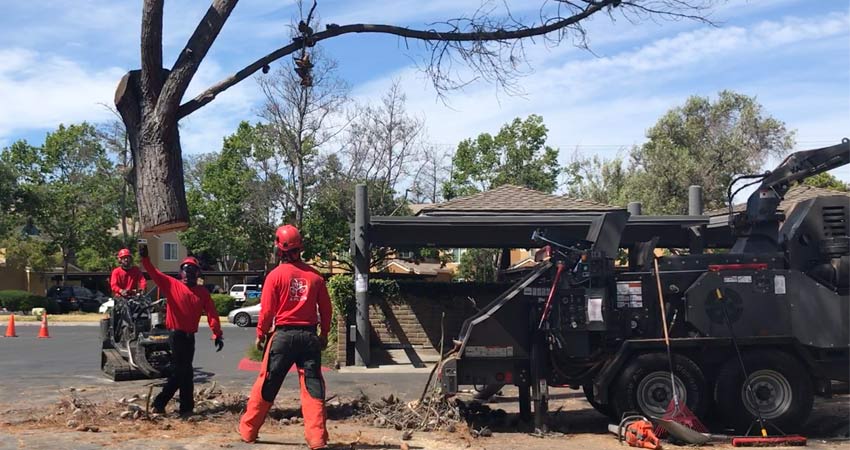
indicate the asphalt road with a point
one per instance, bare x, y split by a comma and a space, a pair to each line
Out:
71, 358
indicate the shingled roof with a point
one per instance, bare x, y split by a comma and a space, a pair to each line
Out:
796, 194
512, 199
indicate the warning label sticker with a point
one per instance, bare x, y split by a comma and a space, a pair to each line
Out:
779, 284
536, 291
629, 294
594, 309
738, 279
481, 351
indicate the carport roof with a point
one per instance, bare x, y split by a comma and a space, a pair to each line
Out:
511, 199
514, 231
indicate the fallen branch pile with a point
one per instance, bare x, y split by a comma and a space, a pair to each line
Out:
432, 414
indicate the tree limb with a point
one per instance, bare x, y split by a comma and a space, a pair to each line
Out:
498, 35
191, 56
151, 76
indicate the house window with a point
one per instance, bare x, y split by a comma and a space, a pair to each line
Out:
169, 251
457, 253
406, 254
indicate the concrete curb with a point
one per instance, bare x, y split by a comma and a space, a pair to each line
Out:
52, 324
400, 368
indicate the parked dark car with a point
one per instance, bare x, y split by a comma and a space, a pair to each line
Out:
75, 298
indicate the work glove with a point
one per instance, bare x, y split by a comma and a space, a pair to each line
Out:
143, 250
260, 343
323, 342
219, 344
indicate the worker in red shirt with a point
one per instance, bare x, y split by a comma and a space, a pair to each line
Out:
185, 303
293, 302
126, 277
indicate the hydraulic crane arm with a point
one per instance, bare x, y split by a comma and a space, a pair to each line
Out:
757, 227
804, 164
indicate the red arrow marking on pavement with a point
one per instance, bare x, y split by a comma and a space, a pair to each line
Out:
254, 366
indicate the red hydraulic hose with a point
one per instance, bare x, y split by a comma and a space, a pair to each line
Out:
551, 295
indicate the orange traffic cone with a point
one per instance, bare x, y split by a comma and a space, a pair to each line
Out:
42, 333
10, 330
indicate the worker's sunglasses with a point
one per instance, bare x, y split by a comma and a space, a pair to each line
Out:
190, 269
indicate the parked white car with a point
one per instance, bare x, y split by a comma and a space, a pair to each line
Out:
240, 292
106, 306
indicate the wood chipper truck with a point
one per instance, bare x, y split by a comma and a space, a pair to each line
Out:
782, 291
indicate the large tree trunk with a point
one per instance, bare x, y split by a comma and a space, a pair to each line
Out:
157, 160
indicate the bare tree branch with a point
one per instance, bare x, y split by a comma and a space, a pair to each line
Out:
191, 56
151, 76
480, 34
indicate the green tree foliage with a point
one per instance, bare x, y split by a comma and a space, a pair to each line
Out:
518, 155
597, 179
706, 143
91, 259
827, 181
478, 264
326, 224
225, 227
268, 195
117, 143
71, 190
30, 251
10, 197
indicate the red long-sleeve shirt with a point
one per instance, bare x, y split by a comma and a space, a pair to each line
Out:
126, 279
185, 304
294, 294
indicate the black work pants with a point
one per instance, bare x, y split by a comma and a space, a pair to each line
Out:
299, 347
182, 373
289, 345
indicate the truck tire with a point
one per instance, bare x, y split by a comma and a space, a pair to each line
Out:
644, 386
606, 410
783, 389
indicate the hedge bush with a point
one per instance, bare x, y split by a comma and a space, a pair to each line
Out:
16, 300
341, 290
223, 303
251, 301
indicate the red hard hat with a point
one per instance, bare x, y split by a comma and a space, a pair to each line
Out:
288, 238
191, 260
123, 252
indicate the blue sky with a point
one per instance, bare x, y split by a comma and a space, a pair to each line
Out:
59, 60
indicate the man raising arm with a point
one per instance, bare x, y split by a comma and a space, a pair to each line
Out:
185, 303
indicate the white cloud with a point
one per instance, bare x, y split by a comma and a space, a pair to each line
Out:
42, 90
203, 131
607, 103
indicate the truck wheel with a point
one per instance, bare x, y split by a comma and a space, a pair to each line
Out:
783, 391
606, 410
644, 386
